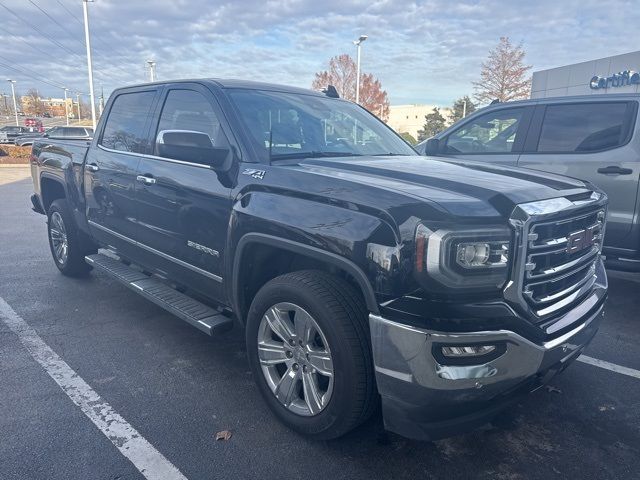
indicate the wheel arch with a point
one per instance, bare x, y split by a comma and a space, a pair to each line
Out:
312, 254
51, 189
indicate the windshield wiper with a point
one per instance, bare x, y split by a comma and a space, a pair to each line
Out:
312, 154
390, 154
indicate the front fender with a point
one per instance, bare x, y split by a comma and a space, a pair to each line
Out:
364, 245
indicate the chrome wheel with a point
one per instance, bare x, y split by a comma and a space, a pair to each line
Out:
295, 359
58, 236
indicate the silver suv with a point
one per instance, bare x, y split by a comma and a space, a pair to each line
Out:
594, 138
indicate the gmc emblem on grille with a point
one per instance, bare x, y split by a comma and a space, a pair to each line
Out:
582, 239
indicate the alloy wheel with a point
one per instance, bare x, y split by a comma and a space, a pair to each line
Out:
59, 241
295, 359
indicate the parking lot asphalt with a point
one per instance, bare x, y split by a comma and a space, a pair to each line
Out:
178, 387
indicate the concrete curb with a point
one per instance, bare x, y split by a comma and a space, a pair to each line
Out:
15, 165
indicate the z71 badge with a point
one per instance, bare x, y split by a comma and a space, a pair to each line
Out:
259, 174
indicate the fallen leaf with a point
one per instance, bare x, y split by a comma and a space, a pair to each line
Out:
223, 435
552, 389
604, 408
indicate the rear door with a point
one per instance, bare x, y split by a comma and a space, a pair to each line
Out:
592, 141
494, 137
184, 208
111, 168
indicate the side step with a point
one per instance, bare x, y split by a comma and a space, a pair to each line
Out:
201, 316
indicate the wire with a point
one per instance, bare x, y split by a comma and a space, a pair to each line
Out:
52, 40
55, 42
69, 12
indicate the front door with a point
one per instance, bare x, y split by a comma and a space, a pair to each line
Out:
592, 141
184, 208
495, 137
111, 168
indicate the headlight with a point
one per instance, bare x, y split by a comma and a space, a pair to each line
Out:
469, 258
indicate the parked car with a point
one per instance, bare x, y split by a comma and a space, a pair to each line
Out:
46, 115
595, 138
9, 133
360, 271
34, 125
68, 133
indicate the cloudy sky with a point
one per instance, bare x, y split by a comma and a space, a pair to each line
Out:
423, 52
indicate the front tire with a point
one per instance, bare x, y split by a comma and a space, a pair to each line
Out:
68, 245
309, 350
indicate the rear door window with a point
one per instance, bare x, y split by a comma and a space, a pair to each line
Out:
125, 128
585, 127
493, 132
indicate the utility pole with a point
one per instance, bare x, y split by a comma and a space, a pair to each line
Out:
101, 102
79, 116
152, 70
358, 43
66, 106
464, 108
89, 64
13, 93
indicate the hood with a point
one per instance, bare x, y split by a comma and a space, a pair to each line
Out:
467, 189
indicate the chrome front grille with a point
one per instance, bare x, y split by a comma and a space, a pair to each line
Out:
560, 261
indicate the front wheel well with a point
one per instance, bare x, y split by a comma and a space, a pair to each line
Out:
263, 262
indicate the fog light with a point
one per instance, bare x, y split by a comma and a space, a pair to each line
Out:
467, 351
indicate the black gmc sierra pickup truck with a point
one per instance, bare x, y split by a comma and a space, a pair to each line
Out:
361, 272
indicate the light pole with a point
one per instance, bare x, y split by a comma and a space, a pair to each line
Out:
152, 70
66, 106
357, 43
89, 64
78, 96
13, 93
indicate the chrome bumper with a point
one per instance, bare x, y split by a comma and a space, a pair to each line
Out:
425, 399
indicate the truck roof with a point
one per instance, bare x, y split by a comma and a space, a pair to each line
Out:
235, 83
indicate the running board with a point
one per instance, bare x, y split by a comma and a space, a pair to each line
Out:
201, 316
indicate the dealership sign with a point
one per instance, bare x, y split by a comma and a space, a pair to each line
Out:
621, 79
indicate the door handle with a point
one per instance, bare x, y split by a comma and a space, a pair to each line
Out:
92, 167
146, 180
614, 170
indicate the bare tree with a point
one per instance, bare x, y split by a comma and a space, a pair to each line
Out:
32, 103
504, 76
342, 74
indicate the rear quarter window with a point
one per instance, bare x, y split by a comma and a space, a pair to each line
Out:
585, 127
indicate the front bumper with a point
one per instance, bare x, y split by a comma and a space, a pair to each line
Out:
424, 399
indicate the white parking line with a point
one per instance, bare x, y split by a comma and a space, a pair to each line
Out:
150, 462
609, 366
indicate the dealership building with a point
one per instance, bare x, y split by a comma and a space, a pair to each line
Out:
617, 74
410, 118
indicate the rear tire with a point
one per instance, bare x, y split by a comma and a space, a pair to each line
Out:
340, 331
68, 245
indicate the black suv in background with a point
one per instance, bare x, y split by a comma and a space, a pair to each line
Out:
9, 133
360, 271
595, 138
68, 133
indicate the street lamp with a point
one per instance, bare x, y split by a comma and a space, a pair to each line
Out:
152, 70
15, 106
357, 43
89, 64
66, 105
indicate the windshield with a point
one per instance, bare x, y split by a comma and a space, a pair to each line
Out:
287, 125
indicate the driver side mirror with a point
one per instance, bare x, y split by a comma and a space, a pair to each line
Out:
432, 147
190, 146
